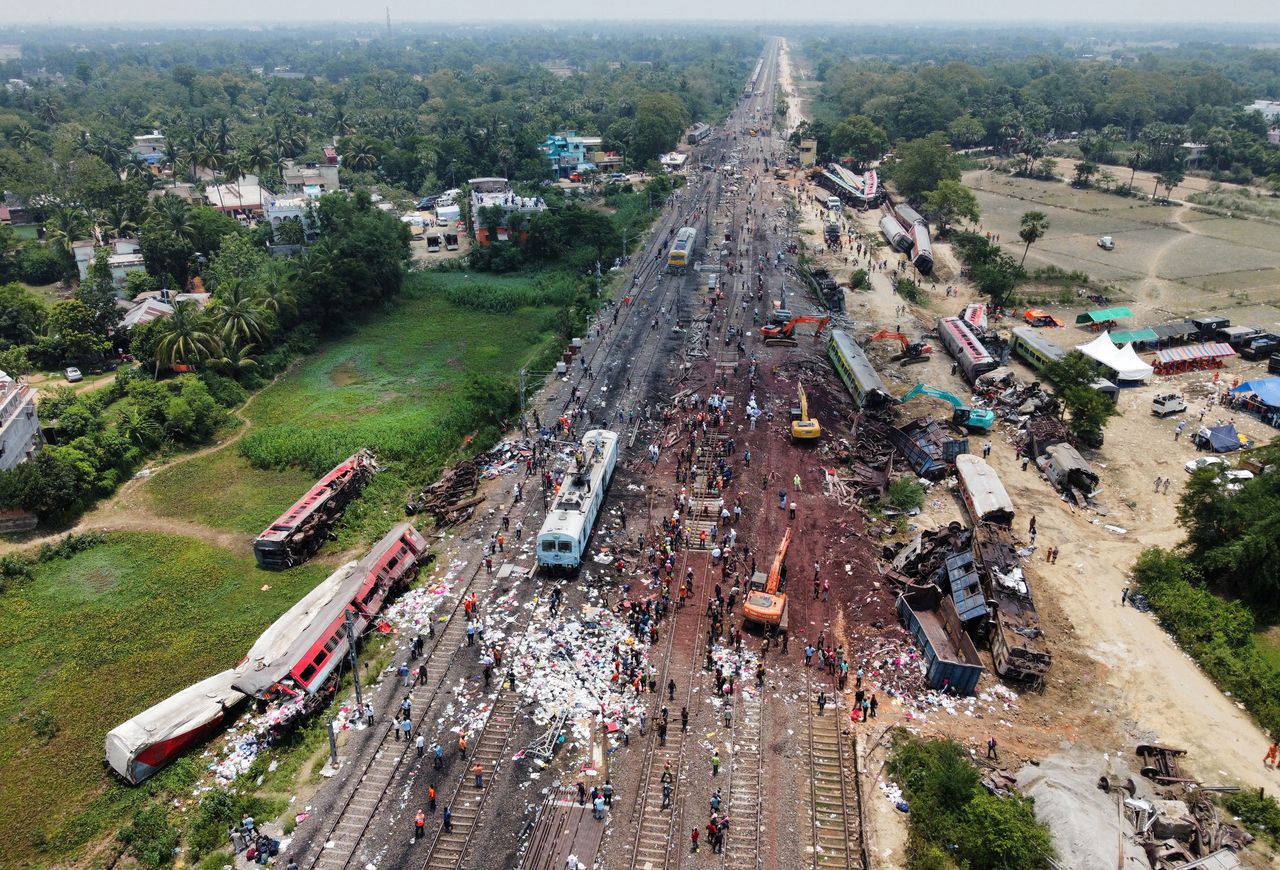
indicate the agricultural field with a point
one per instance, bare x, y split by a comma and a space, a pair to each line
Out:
1169, 260
92, 639
392, 384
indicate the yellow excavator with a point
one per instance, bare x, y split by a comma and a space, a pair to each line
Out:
803, 427
764, 603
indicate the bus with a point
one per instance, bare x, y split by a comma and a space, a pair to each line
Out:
681, 250
855, 370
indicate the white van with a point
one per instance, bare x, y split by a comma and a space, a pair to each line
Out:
1171, 403
834, 203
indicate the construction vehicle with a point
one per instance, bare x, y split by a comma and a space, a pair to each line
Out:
803, 427
783, 335
912, 351
980, 419
764, 603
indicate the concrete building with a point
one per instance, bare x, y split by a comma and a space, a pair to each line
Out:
19, 425
673, 162
569, 153
808, 152
497, 192
289, 208
246, 196
1269, 109
313, 179
1194, 152
149, 147
124, 256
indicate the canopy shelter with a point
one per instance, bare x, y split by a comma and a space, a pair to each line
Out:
1177, 331
1193, 357
1103, 315
1265, 390
1124, 361
1135, 336
1220, 439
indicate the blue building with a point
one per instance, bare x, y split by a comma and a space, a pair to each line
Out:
570, 153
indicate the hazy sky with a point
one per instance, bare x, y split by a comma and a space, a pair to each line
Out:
142, 12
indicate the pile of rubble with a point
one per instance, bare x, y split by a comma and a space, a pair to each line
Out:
452, 499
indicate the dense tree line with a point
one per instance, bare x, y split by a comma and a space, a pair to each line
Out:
419, 113
1136, 104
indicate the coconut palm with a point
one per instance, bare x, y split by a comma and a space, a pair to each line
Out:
114, 222
358, 154
236, 358
185, 337
67, 225
257, 158
22, 136
275, 289
1033, 227
175, 215
237, 315
137, 428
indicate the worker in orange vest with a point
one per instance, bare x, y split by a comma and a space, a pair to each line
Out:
431, 798
462, 744
419, 825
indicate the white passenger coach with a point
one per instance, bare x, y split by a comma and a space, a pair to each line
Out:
564, 534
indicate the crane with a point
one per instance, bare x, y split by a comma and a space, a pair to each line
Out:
783, 335
912, 351
974, 418
803, 427
764, 603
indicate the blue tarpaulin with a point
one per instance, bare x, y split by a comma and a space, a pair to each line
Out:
1266, 389
1220, 439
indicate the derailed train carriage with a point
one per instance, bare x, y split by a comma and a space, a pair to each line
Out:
296, 535
293, 659
563, 539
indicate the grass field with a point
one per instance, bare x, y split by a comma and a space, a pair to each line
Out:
391, 385
92, 640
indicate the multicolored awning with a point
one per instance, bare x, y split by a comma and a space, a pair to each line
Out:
1212, 350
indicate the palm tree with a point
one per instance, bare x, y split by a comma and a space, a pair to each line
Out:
358, 154
341, 122
275, 293
67, 225
137, 428
185, 336
175, 215
257, 158
114, 223
1135, 160
1034, 225
22, 136
222, 139
236, 358
236, 313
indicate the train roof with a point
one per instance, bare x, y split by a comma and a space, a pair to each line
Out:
986, 492
275, 653
909, 214
179, 714
321, 490
1031, 337
581, 482
863, 371
890, 227
975, 350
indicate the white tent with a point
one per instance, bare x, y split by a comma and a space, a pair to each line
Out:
1124, 361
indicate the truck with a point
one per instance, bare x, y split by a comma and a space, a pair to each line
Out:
1170, 403
433, 244
834, 203
451, 241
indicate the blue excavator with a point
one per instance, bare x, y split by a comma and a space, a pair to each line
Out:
980, 419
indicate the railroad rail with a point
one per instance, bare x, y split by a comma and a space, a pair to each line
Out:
837, 832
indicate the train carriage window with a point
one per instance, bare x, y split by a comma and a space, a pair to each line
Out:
566, 547
320, 657
307, 673
548, 546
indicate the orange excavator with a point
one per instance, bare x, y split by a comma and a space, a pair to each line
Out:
764, 603
912, 351
784, 334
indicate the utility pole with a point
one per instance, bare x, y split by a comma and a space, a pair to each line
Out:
351, 653
388, 22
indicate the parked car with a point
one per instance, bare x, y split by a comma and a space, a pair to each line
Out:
617, 176
1235, 478
1107, 243
1194, 465
73, 374
1170, 403
1261, 347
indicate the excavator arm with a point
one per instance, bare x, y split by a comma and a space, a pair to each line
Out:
775, 570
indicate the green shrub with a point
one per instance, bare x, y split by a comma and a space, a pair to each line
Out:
905, 493
219, 809
150, 838
1256, 811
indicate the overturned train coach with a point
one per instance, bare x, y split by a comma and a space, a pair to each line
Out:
296, 535
293, 658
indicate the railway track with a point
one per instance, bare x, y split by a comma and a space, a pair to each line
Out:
743, 843
837, 827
